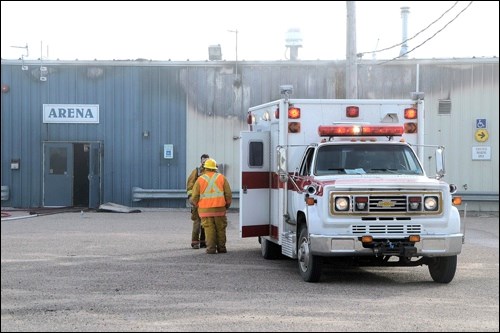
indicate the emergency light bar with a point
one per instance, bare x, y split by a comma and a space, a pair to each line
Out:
357, 130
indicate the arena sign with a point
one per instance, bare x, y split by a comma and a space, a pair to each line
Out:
71, 113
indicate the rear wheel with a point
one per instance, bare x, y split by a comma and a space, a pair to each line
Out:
443, 269
269, 249
309, 264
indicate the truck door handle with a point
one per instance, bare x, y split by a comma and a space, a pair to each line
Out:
245, 189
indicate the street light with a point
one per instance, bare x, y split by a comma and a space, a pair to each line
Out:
236, 34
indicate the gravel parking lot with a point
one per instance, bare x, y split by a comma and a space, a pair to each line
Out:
137, 272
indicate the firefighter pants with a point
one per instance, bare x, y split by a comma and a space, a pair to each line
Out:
215, 232
198, 233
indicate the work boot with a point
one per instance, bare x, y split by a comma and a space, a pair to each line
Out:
195, 246
203, 245
221, 250
211, 252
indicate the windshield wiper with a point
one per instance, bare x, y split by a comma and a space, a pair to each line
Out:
385, 170
337, 169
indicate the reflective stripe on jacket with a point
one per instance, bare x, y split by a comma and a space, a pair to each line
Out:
211, 194
211, 191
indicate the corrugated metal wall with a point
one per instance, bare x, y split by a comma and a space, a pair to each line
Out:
473, 91
200, 107
131, 99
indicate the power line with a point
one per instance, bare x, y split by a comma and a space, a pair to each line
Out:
418, 33
428, 39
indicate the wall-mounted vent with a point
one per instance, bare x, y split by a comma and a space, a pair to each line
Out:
444, 107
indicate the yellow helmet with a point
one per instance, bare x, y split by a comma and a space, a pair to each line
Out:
210, 164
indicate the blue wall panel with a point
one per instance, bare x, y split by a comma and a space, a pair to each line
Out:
132, 100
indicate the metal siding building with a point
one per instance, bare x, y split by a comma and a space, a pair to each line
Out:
200, 107
141, 109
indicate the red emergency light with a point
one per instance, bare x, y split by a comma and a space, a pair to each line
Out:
250, 118
357, 130
352, 111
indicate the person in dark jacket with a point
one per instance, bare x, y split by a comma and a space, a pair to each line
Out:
198, 233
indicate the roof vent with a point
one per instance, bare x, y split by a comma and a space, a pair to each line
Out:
214, 52
293, 40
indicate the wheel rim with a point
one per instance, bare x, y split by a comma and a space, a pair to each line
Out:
303, 255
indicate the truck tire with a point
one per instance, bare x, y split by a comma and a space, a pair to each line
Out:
443, 269
269, 249
309, 264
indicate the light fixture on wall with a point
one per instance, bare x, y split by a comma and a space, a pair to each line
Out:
43, 73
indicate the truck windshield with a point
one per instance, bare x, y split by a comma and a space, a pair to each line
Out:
366, 159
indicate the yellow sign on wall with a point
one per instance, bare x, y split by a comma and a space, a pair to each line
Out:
481, 135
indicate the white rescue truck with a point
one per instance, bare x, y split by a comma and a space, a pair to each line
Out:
327, 181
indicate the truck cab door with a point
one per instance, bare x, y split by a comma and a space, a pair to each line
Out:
255, 184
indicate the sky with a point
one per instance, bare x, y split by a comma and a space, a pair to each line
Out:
184, 30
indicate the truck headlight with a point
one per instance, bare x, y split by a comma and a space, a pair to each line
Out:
342, 204
431, 203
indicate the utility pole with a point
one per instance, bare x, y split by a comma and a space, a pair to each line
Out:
351, 56
236, 33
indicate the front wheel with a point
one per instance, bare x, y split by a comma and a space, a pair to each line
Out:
309, 264
443, 269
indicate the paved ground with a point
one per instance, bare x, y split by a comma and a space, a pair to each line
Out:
137, 272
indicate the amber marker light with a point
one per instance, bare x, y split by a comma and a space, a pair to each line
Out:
410, 113
366, 239
414, 238
310, 201
293, 113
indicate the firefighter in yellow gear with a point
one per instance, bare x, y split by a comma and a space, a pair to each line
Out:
212, 195
198, 233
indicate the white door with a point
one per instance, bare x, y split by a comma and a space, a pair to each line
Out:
255, 184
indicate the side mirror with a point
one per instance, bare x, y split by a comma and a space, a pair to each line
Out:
440, 170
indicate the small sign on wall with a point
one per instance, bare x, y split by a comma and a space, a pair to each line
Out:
168, 151
481, 153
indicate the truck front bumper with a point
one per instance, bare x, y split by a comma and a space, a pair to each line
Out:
429, 245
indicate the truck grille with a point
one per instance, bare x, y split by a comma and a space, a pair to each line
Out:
386, 229
385, 203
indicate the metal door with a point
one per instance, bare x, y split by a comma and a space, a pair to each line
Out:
58, 175
95, 175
